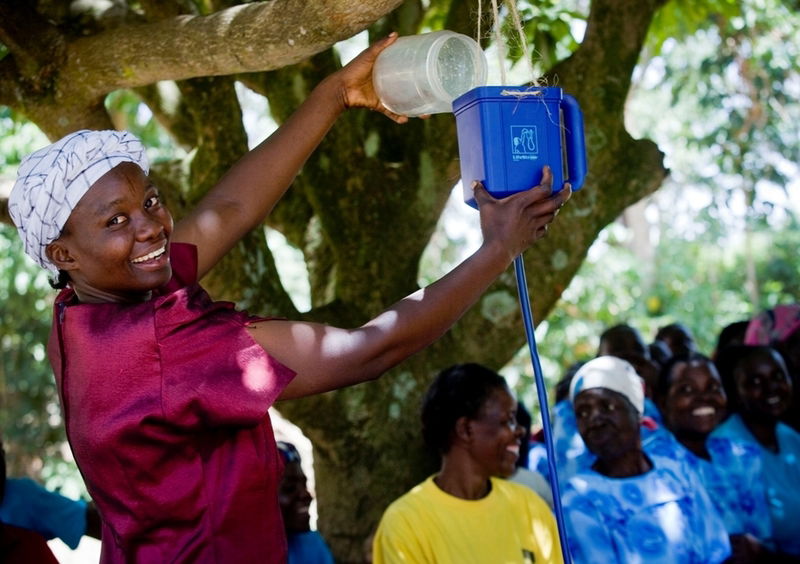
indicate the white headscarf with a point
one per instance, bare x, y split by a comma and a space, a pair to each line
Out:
51, 182
612, 373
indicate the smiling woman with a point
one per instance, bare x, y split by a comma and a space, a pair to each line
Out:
465, 513
761, 381
113, 247
691, 397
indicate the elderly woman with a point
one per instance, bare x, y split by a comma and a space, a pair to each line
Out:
692, 399
629, 506
621, 341
761, 382
465, 513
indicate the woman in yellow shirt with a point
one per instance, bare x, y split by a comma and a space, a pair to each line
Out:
466, 513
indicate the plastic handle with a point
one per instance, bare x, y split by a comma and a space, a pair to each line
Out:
576, 146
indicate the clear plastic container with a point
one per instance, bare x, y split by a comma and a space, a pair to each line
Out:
423, 74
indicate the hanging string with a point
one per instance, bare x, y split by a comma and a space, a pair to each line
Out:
523, 42
478, 32
498, 42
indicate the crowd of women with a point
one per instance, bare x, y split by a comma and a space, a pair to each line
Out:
664, 455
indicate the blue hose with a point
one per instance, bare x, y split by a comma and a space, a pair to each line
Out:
541, 390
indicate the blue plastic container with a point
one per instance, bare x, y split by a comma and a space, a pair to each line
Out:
507, 134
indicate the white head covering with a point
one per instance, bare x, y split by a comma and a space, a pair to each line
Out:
51, 182
612, 373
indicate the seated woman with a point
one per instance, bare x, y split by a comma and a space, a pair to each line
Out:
464, 513
761, 383
305, 546
621, 341
693, 402
632, 507
18, 544
779, 328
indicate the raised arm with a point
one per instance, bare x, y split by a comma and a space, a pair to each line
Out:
327, 358
246, 194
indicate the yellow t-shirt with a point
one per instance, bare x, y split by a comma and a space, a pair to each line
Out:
426, 525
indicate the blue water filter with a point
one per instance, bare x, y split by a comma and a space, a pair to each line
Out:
506, 135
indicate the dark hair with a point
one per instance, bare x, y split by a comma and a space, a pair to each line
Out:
61, 281
660, 353
458, 391
619, 338
288, 452
665, 374
732, 334
677, 337
671, 330
562, 386
726, 361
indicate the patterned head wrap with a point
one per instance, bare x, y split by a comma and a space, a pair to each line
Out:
51, 182
773, 325
612, 373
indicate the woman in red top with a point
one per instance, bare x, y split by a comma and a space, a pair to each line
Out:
165, 392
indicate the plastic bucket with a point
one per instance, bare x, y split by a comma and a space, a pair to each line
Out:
423, 74
507, 134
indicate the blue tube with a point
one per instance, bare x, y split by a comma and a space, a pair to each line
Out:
541, 390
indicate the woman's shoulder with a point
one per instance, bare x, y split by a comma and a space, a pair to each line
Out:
728, 450
418, 496
183, 258
788, 438
522, 496
733, 428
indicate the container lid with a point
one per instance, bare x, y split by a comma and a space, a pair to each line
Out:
506, 94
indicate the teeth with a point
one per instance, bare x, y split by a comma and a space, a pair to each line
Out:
149, 256
513, 448
706, 410
773, 400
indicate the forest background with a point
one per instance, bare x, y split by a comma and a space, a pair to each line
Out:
689, 214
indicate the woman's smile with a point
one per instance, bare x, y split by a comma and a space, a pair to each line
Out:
152, 256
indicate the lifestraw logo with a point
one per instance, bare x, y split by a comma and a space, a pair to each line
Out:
524, 143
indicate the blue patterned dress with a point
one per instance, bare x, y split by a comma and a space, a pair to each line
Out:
781, 473
733, 479
661, 517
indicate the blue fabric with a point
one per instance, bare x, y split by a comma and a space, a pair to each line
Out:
572, 456
781, 472
734, 482
661, 517
28, 505
308, 548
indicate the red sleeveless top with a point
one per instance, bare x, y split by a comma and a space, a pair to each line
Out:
165, 404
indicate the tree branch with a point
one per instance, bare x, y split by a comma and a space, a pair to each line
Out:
37, 46
245, 38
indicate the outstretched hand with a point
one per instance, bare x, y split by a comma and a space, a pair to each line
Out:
517, 221
355, 79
